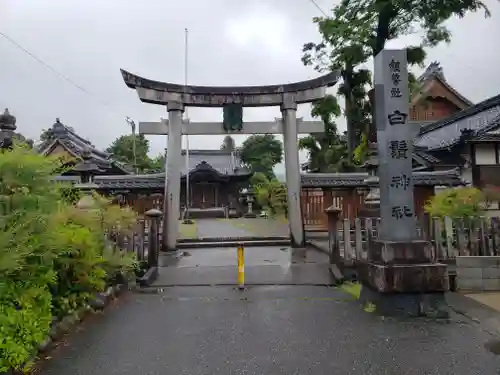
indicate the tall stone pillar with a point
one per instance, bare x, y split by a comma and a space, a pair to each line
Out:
173, 177
400, 275
292, 168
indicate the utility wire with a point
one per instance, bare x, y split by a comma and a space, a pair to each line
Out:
56, 72
318, 7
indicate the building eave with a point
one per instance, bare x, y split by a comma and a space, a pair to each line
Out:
340, 180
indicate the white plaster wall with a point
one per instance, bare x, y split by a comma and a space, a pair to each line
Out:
485, 154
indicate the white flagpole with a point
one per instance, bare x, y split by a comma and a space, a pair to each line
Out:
186, 34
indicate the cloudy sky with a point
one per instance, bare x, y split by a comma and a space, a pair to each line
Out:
252, 42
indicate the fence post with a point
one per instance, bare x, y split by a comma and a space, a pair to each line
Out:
333, 214
154, 216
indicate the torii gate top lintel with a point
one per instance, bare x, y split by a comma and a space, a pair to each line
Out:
156, 92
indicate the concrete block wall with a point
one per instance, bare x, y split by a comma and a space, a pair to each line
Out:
478, 273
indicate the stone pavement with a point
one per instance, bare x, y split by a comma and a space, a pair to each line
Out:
272, 265
242, 227
215, 228
266, 330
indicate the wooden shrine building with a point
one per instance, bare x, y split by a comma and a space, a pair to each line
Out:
64, 143
215, 180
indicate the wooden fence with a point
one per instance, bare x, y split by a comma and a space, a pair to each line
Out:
314, 201
479, 236
349, 200
141, 240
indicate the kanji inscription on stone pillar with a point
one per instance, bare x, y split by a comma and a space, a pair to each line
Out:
395, 145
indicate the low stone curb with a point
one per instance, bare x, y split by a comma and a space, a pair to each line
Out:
63, 326
226, 243
232, 239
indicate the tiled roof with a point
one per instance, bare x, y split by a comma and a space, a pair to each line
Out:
425, 156
435, 71
224, 162
479, 118
77, 146
157, 181
437, 178
486, 137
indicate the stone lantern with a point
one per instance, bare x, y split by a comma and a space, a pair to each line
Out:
87, 169
7, 128
250, 199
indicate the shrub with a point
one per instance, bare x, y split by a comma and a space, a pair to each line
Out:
28, 198
53, 255
456, 203
272, 196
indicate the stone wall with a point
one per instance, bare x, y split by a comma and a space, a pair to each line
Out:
478, 273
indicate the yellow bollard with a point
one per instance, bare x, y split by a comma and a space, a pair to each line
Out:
241, 267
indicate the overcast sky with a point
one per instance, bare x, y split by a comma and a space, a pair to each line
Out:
251, 42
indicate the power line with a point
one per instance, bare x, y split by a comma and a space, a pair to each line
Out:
56, 72
318, 7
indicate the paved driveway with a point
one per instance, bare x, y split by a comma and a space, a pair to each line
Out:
267, 330
224, 228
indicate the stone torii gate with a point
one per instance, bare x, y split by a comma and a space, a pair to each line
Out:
176, 97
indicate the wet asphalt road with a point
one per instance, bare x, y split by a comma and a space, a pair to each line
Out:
266, 330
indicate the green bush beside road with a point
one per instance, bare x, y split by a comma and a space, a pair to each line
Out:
53, 256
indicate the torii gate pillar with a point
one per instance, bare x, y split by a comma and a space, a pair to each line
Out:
171, 197
175, 97
292, 169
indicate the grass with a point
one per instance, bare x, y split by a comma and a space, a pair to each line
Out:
354, 289
188, 230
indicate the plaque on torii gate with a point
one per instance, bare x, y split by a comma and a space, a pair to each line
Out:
232, 99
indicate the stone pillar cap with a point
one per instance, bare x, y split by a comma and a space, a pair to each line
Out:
333, 209
153, 213
86, 202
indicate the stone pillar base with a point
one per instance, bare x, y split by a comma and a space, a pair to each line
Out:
171, 252
170, 258
401, 278
432, 305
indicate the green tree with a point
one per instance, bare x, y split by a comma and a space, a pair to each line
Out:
360, 29
258, 179
21, 139
261, 153
327, 150
122, 150
228, 144
271, 195
157, 164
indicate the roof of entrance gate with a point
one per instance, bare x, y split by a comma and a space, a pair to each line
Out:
156, 92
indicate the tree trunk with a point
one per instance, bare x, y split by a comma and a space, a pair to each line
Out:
351, 133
